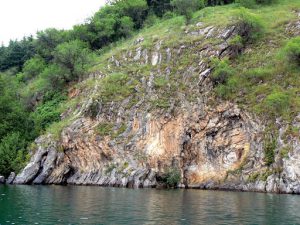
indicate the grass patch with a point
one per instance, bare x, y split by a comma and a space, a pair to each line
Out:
105, 129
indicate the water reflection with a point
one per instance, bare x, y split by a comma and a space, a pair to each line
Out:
95, 205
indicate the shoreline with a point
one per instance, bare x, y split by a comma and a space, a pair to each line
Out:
157, 188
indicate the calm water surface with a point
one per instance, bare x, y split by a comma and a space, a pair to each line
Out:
96, 205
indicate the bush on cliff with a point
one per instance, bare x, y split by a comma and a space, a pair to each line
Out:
173, 177
292, 51
277, 103
250, 27
222, 71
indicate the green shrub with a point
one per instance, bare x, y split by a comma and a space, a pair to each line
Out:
277, 102
151, 20
55, 76
74, 57
284, 152
162, 103
257, 75
116, 87
222, 71
160, 82
292, 51
120, 131
264, 176
236, 45
253, 177
33, 67
110, 168
225, 90
47, 112
105, 129
250, 27
173, 177
269, 150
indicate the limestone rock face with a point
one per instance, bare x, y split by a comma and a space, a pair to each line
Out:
203, 142
160, 127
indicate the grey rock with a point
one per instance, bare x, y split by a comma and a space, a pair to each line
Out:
28, 173
139, 40
47, 166
32, 170
11, 178
2, 179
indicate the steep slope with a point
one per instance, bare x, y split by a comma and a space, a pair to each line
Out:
148, 113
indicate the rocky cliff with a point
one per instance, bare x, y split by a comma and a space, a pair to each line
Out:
149, 110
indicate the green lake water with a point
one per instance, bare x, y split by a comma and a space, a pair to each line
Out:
96, 205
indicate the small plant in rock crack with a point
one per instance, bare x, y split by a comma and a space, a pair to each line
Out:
173, 177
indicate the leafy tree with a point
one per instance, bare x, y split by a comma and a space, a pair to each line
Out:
249, 26
55, 77
102, 26
159, 7
33, 67
16, 53
73, 57
125, 27
187, 7
135, 9
47, 41
115, 21
13, 116
12, 153
82, 32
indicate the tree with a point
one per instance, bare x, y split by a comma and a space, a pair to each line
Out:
47, 41
187, 7
159, 7
12, 153
102, 26
33, 67
13, 116
16, 53
116, 20
125, 27
73, 57
135, 9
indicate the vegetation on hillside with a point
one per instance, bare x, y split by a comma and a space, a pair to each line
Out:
35, 73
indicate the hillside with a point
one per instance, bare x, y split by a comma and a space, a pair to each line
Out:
211, 101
